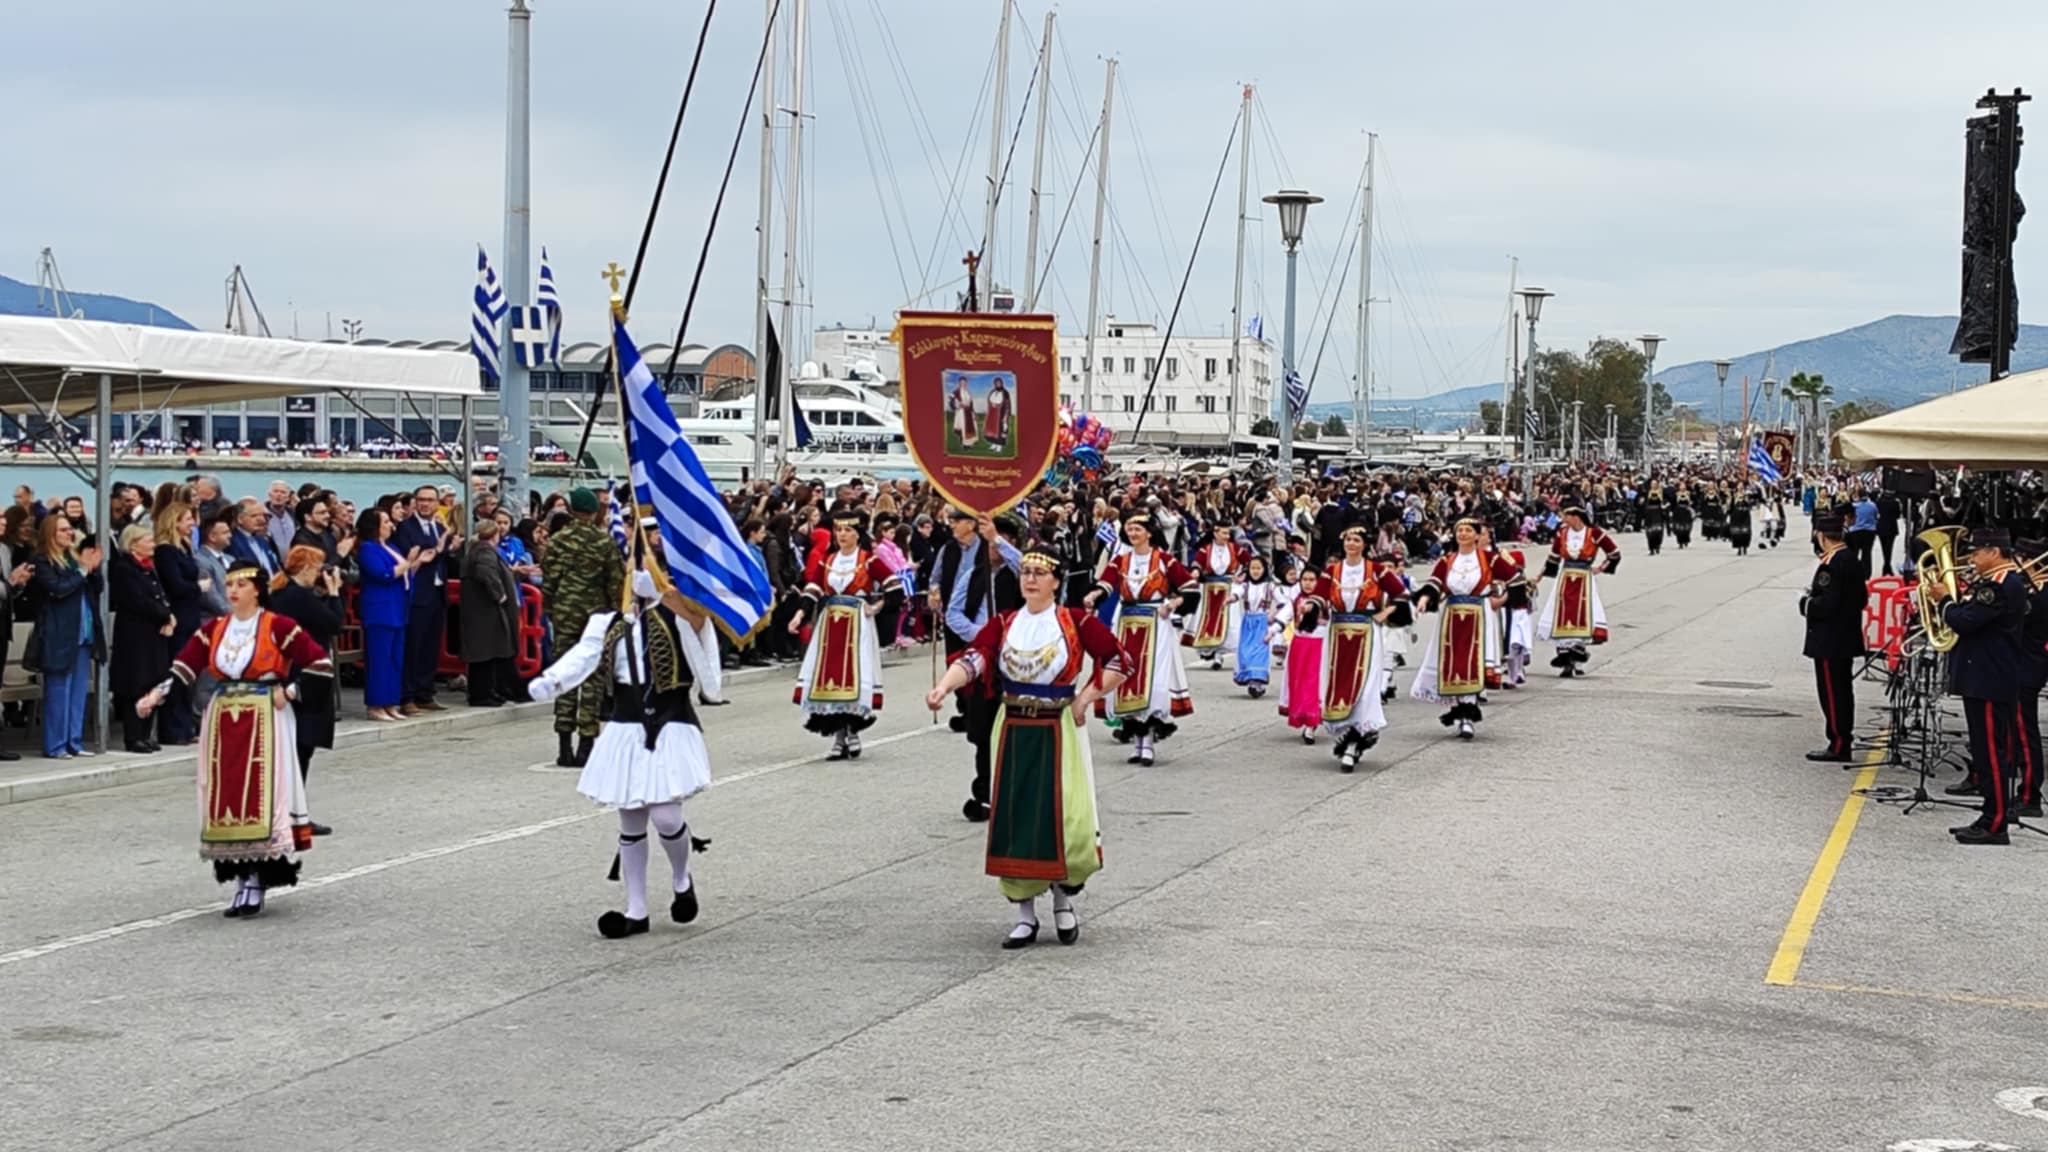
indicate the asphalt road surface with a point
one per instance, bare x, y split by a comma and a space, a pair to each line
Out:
1628, 916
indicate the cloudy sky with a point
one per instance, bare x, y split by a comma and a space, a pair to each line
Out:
1734, 175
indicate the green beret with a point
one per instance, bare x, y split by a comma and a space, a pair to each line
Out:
582, 500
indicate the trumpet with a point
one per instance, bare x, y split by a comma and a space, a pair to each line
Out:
1936, 571
2035, 570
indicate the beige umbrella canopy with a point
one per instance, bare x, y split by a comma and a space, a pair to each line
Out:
2000, 425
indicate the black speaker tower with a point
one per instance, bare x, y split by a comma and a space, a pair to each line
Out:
1989, 324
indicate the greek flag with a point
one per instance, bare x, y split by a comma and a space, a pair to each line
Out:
1256, 329
1297, 395
1106, 532
1760, 462
1532, 421
707, 559
615, 521
486, 309
551, 304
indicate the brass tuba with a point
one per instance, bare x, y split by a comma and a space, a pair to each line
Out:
1937, 567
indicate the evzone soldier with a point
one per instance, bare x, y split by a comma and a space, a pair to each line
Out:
1218, 565
1833, 608
840, 685
976, 575
1359, 596
1043, 830
1988, 670
1151, 591
650, 754
1466, 595
1573, 616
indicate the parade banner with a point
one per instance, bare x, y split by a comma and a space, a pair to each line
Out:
980, 403
1778, 446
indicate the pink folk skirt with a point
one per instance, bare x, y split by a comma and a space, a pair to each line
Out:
1303, 702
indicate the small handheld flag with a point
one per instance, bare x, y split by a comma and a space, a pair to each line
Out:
615, 520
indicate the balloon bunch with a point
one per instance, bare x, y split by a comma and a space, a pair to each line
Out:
1081, 447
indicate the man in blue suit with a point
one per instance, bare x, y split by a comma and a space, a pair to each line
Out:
429, 614
251, 541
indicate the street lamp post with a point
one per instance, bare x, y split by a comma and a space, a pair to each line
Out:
1650, 342
1293, 204
1610, 433
1721, 415
1532, 307
1576, 405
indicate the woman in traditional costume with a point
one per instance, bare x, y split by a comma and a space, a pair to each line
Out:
649, 755
840, 684
252, 801
1218, 564
1361, 596
1042, 831
1465, 596
1153, 699
1573, 616
1301, 694
996, 426
1259, 598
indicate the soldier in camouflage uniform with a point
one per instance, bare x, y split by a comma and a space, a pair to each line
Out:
583, 573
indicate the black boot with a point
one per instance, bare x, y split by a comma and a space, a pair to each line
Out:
565, 751
583, 744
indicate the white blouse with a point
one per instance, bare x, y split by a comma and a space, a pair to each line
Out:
1137, 569
1351, 583
1035, 647
237, 645
841, 572
1467, 575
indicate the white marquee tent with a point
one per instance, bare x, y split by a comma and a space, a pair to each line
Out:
2002, 424
65, 368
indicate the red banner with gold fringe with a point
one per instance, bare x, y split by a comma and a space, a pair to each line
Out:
980, 400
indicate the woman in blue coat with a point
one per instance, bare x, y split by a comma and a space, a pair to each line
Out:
386, 600
69, 633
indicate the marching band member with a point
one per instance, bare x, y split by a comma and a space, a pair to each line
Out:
649, 755
1360, 596
1043, 829
1152, 699
840, 685
2034, 644
1573, 616
1259, 597
1217, 565
1987, 669
1833, 607
1466, 598
252, 800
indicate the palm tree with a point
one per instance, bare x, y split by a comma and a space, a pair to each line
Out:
1808, 391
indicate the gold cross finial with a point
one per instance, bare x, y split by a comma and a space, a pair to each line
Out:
613, 273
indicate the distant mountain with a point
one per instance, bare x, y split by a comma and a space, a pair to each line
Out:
1900, 360
19, 299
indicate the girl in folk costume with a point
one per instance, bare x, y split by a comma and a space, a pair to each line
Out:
1573, 616
252, 801
840, 684
961, 401
1042, 829
1513, 638
1301, 694
1218, 564
1261, 601
649, 755
1360, 597
1464, 645
1151, 701
1388, 551
996, 428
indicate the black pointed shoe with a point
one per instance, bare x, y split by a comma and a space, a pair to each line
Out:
1964, 787
615, 926
1828, 756
1066, 925
683, 908
2029, 811
1015, 941
1979, 835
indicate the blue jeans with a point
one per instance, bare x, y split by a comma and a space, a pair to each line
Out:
64, 696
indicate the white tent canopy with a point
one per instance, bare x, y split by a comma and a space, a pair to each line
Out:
2002, 424
48, 364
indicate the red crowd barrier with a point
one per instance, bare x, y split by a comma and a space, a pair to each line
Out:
527, 645
1887, 614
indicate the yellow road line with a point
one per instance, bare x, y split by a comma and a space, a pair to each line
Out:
1784, 969
1913, 994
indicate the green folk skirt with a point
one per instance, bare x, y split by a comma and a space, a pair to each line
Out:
1042, 827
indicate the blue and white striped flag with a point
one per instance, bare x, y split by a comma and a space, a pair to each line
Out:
615, 520
1256, 329
1532, 420
1297, 395
1106, 532
487, 307
708, 560
1760, 462
550, 303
